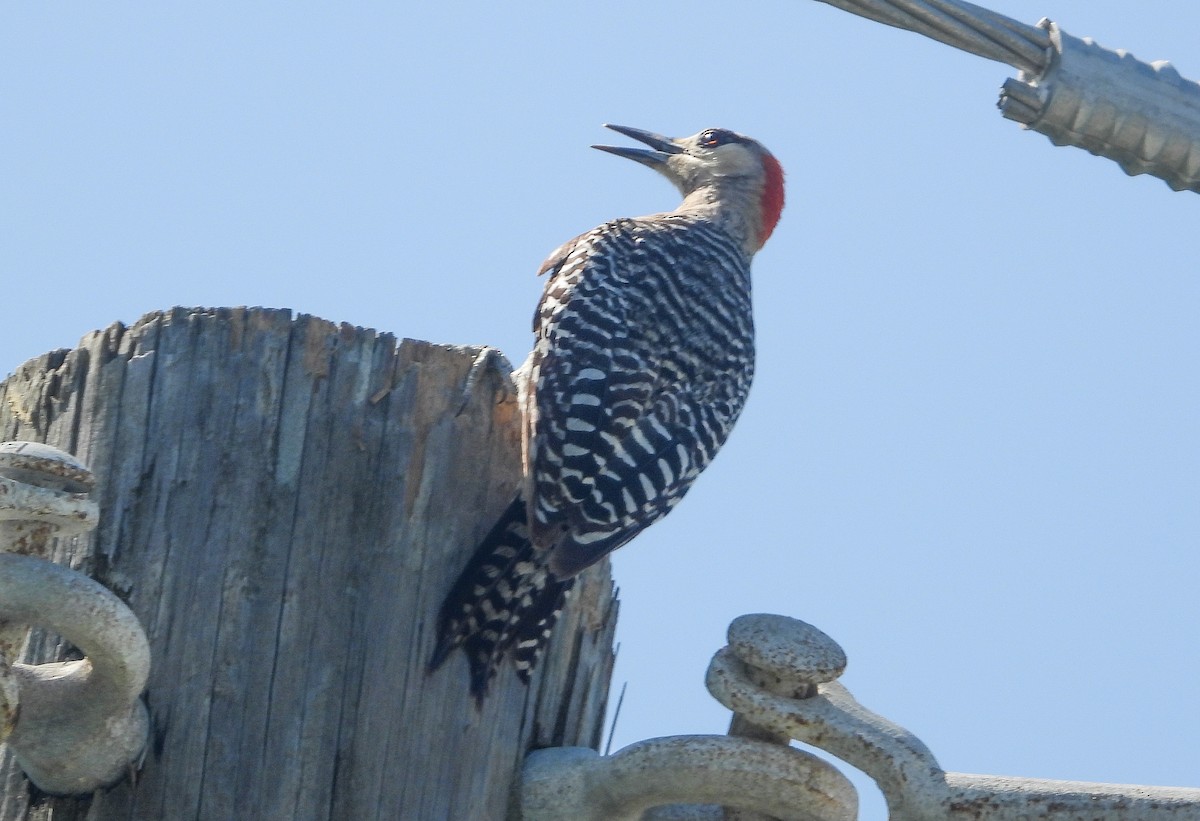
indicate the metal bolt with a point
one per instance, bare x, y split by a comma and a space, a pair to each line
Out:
783, 656
41, 465
43, 495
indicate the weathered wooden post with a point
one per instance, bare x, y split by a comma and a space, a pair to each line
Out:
283, 504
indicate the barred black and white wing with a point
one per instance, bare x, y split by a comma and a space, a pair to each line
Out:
643, 360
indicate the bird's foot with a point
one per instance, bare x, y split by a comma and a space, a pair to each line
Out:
489, 361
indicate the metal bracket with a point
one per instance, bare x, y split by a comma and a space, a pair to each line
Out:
73, 726
778, 676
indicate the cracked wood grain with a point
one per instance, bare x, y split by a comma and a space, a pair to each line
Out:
284, 503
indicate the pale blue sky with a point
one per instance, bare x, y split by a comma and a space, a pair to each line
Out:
971, 454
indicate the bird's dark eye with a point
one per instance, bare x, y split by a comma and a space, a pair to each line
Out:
713, 137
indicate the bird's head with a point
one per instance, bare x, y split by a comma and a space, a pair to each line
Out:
715, 167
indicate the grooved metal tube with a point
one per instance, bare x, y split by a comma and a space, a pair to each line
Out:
1143, 116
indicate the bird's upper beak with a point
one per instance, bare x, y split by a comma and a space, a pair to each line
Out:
663, 147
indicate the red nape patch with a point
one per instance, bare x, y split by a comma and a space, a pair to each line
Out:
772, 197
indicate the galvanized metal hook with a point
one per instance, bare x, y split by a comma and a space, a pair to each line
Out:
78, 725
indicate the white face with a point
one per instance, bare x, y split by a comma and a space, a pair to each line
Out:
713, 153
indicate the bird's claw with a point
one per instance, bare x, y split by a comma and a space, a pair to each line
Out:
488, 360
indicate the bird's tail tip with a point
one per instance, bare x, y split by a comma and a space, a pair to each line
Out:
505, 602
441, 652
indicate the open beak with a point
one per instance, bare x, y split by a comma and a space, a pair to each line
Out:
663, 147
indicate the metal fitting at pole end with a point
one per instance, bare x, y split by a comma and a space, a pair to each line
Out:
1144, 116
81, 723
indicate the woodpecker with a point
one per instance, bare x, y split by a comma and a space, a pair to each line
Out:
643, 357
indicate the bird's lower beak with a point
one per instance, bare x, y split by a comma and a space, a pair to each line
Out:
663, 147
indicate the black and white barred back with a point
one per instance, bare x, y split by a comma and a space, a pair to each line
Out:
643, 356
643, 359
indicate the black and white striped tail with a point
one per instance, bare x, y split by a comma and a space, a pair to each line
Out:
505, 599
